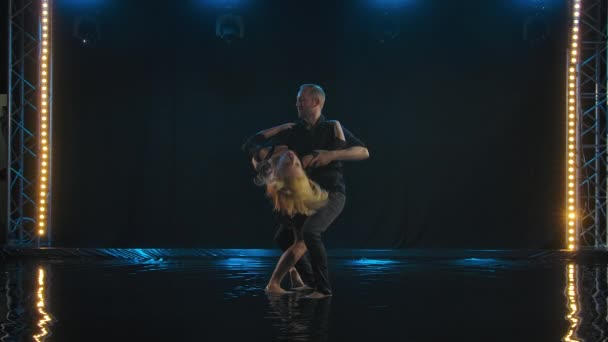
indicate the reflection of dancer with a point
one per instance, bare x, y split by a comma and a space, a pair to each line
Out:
300, 320
329, 143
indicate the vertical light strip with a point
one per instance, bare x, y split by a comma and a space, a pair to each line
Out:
45, 318
44, 152
572, 304
572, 105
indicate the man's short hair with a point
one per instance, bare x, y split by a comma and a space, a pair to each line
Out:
314, 90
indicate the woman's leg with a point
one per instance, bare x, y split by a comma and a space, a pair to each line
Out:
289, 258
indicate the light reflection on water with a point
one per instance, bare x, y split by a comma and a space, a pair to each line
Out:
369, 291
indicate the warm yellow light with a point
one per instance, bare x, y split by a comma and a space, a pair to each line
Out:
574, 45
571, 231
571, 147
576, 13
43, 186
571, 108
572, 78
44, 28
42, 209
573, 52
45, 12
43, 134
41, 224
572, 69
571, 246
571, 200
41, 232
571, 139
44, 110
570, 169
42, 201
571, 177
571, 116
44, 156
45, 148
571, 223
45, 20
575, 29
571, 154
571, 193
571, 85
571, 215
571, 100
44, 80
571, 162
44, 141
571, 184
45, 4
41, 216
44, 118
575, 36
571, 123
571, 131
43, 171
571, 93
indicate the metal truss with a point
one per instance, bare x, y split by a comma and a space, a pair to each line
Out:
591, 128
22, 131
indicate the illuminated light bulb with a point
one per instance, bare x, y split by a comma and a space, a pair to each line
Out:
573, 52
571, 177
571, 216
571, 116
571, 246
571, 223
41, 232
41, 224
41, 216
571, 231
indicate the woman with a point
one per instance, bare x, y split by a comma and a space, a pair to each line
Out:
291, 191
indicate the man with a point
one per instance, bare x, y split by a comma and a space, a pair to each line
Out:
330, 143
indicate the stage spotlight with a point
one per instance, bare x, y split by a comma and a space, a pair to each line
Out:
229, 27
86, 30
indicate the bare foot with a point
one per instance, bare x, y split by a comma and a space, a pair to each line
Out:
317, 295
302, 288
275, 289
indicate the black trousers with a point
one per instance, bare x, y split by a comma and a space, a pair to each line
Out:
313, 265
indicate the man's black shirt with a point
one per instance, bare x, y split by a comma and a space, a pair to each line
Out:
304, 140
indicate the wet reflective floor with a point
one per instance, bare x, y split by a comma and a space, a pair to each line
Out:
221, 298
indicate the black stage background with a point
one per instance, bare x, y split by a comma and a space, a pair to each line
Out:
463, 117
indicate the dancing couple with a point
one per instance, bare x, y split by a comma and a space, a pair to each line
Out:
299, 164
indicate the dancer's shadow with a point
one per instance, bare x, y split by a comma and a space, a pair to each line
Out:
299, 319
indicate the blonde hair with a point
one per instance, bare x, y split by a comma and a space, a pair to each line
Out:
296, 195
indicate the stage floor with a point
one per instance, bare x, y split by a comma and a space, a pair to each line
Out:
379, 295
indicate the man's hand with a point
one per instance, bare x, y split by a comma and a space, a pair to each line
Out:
321, 158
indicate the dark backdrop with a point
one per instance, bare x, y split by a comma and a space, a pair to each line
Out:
462, 113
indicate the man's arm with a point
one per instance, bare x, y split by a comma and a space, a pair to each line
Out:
354, 149
277, 135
